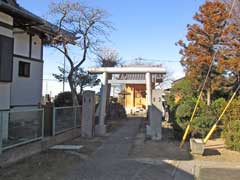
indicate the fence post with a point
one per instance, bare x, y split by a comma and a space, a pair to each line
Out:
1, 131
54, 122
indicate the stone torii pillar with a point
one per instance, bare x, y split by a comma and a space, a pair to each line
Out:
149, 88
154, 129
100, 128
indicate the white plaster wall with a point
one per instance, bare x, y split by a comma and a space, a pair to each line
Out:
6, 18
36, 47
6, 32
21, 43
4, 95
27, 91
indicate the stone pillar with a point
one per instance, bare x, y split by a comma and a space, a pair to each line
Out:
88, 114
154, 130
100, 128
154, 111
149, 88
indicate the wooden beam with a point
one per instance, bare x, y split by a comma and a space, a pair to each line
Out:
115, 81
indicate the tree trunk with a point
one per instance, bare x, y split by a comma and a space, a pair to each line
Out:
73, 90
208, 96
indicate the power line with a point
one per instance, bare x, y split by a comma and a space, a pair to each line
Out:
152, 60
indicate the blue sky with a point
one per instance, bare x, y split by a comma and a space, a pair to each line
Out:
144, 28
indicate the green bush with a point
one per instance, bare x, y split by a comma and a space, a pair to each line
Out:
218, 106
184, 111
182, 114
203, 120
65, 99
232, 135
231, 120
205, 117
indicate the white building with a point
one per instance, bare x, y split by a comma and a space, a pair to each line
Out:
22, 35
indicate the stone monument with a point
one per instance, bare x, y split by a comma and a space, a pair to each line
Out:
88, 114
154, 129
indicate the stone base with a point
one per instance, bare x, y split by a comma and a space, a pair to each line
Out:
196, 146
153, 133
100, 130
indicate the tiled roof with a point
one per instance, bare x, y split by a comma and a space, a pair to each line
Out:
140, 76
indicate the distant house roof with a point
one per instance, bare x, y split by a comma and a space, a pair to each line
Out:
177, 80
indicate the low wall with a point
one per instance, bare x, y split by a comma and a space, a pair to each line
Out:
13, 155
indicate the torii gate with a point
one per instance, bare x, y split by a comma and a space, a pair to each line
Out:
148, 71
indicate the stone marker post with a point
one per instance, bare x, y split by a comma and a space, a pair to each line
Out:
88, 114
154, 129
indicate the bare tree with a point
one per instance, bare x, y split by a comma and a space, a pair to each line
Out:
81, 26
107, 57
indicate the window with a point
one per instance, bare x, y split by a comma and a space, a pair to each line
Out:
24, 69
6, 58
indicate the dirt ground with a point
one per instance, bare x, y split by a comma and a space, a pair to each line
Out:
215, 150
166, 149
52, 164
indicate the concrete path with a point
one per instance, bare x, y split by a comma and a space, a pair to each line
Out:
112, 162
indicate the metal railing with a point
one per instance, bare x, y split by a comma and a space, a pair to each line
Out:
20, 127
66, 118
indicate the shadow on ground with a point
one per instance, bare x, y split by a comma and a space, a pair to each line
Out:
211, 152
